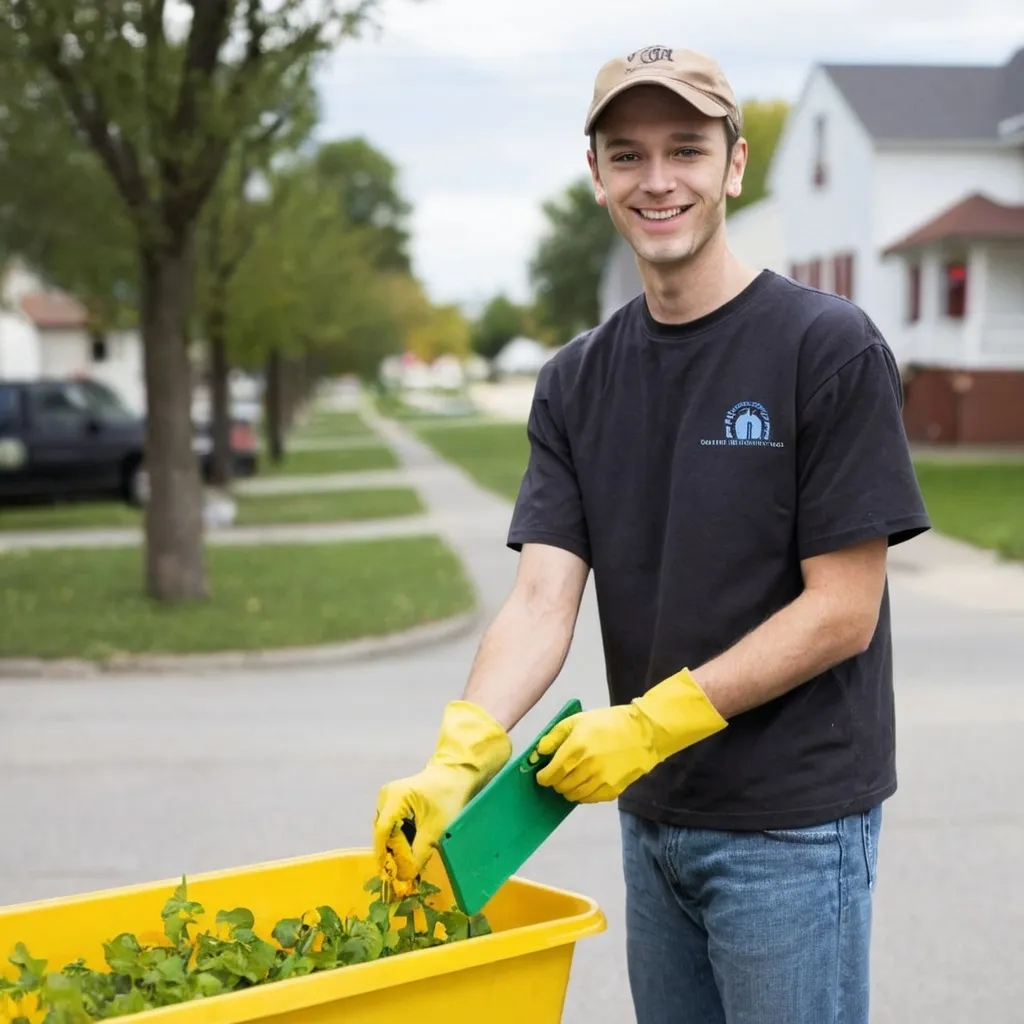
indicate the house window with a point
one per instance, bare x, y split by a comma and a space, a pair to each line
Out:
842, 274
914, 292
819, 173
99, 348
956, 290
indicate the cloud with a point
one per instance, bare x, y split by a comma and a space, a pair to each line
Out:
482, 107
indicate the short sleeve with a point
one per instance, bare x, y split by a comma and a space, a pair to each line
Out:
549, 505
856, 479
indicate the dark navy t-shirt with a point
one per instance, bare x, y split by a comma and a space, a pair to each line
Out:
692, 467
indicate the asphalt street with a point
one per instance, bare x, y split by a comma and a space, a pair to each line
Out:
121, 779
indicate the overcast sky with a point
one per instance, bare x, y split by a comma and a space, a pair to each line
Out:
483, 111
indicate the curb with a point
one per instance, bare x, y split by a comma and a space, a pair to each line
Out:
366, 649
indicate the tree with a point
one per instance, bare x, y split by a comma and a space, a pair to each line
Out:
762, 124
226, 234
441, 330
500, 322
59, 210
309, 288
161, 102
367, 182
568, 264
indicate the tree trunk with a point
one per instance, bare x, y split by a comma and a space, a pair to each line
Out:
220, 404
175, 569
273, 413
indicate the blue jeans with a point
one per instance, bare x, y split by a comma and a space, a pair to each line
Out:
765, 927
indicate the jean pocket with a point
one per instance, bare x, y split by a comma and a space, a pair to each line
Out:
869, 822
827, 833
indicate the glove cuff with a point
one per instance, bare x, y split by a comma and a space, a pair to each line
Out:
679, 714
472, 739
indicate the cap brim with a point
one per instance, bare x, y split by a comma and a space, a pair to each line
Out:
705, 104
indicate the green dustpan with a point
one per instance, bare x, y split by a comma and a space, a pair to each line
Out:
501, 827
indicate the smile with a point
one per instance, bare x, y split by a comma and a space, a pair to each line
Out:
662, 215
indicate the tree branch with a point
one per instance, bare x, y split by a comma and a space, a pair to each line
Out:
118, 155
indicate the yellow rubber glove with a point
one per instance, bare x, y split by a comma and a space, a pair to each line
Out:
599, 753
471, 748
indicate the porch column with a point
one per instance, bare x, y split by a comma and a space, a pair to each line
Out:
977, 295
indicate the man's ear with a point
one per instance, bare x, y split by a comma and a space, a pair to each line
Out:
599, 193
737, 165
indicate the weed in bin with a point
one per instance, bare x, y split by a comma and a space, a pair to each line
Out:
178, 967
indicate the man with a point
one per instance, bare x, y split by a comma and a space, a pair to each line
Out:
726, 453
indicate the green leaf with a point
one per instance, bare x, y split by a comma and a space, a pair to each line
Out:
123, 954
205, 984
456, 925
330, 924
287, 932
240, 917
364, 943
380, 916
30, 970
373, 884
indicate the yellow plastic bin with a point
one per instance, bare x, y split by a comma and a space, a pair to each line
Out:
518, 973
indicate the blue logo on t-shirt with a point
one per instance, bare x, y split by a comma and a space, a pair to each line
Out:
747, 423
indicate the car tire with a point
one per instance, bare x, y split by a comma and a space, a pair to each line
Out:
136, 483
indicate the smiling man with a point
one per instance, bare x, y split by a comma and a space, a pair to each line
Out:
726, 454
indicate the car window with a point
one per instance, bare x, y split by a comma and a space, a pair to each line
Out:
101, 397
10, 408
57, 406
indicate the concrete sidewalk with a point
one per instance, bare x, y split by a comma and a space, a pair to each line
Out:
970, 577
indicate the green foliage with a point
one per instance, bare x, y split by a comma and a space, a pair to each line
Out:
144, 976
367, 183
500, 322
763, 121
567, 267
59, 209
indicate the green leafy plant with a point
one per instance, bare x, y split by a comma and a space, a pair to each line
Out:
145, 976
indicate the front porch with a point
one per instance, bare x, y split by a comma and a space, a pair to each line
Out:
964, 340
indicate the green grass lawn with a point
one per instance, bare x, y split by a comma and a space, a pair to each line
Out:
334, 424
331, 460
460, 407
253, 509
494, 454
978, 502
89, 603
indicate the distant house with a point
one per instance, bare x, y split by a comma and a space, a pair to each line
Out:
44, 332
902, 187
521, 356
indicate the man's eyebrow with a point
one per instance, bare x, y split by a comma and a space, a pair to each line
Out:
690, 136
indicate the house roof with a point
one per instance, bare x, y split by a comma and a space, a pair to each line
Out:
915, 102
54, 309
974, 218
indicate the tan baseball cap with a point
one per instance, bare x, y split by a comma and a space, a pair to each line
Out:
696, 78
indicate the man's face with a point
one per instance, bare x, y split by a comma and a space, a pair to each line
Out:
661, 169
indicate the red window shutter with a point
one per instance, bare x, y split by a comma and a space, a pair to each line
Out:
956, 290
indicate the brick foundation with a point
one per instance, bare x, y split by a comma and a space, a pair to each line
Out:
945, 406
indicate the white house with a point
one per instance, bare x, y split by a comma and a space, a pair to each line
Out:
44, 333
902, 187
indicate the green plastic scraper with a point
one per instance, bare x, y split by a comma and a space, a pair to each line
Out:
499, 829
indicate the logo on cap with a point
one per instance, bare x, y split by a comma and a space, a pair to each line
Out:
650, 55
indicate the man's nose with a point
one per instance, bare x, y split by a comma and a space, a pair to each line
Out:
658, 178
